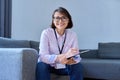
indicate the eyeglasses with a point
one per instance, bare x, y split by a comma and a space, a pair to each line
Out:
57, 19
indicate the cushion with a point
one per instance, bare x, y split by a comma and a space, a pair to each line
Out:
109, 50
93, 53
11, 43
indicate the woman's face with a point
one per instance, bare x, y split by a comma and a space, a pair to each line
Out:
60, 21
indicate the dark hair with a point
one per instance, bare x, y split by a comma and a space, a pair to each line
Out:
66, 13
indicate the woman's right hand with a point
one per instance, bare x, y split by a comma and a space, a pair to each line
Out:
72, 52
62, 58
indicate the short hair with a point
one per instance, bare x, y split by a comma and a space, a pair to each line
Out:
66, 13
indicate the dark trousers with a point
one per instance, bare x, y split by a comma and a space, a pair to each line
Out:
43, 71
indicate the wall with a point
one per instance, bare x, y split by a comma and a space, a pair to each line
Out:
94, 20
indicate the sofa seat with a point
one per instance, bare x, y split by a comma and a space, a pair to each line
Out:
108, 69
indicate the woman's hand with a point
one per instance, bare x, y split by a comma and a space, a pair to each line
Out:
72, 52
71, 61
62, 58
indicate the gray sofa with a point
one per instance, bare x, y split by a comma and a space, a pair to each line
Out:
102, 63
18, 59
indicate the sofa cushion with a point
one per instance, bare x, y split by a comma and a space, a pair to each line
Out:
109, 50
11, 43
93, 53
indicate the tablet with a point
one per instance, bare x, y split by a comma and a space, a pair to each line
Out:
81, 52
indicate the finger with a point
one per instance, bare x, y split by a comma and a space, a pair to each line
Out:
75, 52
72, 60
73, 49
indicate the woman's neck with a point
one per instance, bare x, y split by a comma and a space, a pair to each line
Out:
60, 32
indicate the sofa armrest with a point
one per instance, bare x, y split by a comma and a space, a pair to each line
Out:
93, 53
18, 63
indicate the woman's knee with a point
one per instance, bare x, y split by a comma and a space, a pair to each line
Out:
42, 70
42, 66
77, 67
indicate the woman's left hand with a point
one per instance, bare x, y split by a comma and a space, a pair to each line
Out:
71, 61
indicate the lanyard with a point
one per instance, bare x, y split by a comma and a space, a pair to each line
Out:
60, 50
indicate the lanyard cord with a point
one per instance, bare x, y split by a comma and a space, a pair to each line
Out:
60, 50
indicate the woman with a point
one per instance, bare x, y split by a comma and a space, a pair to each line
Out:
59, 52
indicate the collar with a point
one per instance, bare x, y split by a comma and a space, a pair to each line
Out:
59, 36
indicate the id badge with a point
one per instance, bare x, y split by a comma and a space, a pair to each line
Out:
60, 66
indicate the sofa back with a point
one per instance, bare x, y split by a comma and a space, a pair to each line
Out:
34, 45
12, 43
106, 50
110, 50
93, 53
